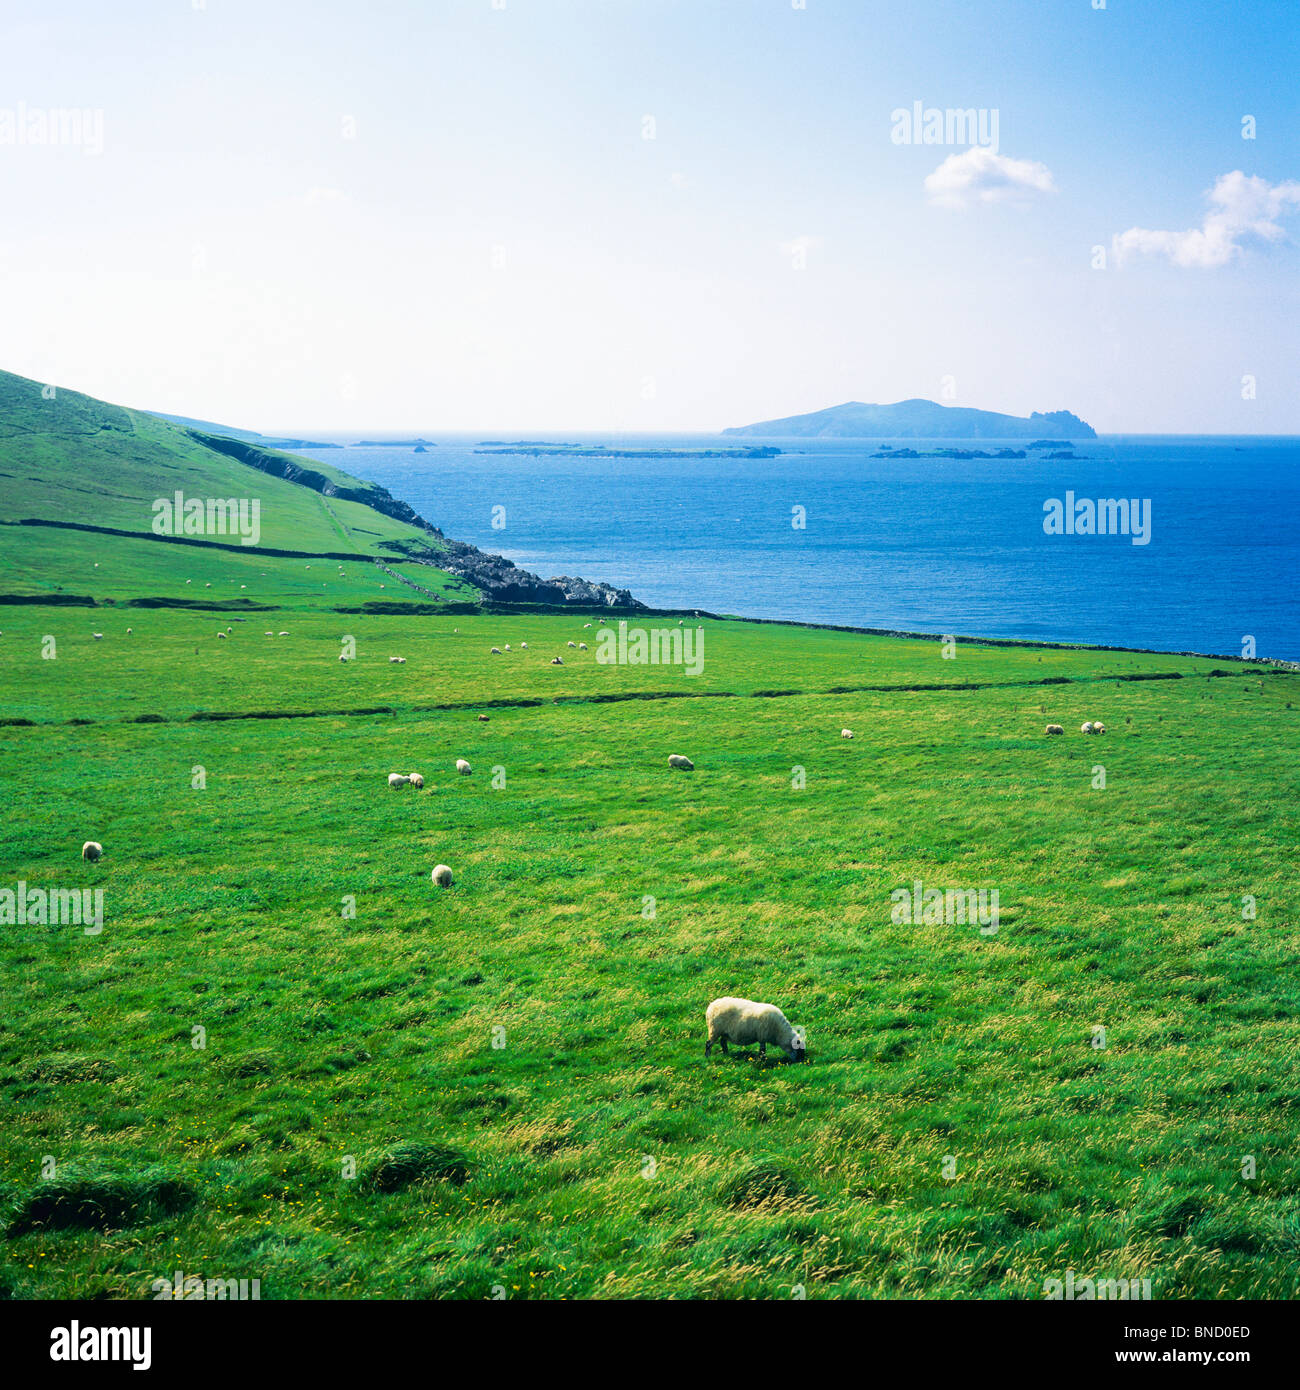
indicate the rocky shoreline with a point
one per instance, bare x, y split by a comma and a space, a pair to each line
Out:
499, 579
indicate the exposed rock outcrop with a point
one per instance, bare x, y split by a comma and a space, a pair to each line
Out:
498, 578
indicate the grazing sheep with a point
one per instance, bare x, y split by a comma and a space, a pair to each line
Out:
1098, 727
677, 760
222, 635
463, 767
397, 779
482, 719
342, 657
129, 631
230, 629
507, 646
496, 651
557, 661
523, 646
189, 581
415, 780
846, 733
268, 634
284, 634
1086, 728
398, 660
1055, 729
92, 850
574, 645
442, 876
585, 626
743, 1021
98, 636
582, 646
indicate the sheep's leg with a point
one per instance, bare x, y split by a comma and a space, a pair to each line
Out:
724, 1044
708, 1047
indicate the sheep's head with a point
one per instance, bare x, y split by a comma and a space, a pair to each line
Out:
798, 1051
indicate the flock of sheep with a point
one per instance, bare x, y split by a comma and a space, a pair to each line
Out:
728, 1019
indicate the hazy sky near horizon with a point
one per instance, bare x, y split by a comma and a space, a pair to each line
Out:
307, 215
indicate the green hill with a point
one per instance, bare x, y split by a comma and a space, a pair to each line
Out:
69, 462
283, 1053
71, 459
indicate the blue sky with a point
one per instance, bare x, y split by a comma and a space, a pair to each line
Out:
327, 216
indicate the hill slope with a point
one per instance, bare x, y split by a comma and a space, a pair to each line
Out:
70, 461
73, 459
918, 419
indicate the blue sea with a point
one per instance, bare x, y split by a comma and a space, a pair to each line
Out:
928, 545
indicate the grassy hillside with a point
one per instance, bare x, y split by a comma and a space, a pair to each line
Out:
407, 1092
71, 458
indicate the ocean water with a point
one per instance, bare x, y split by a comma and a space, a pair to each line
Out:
926, 545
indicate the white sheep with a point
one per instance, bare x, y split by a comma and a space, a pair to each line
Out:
483, 719
507, 646
342, 657
92, 850
98, 636
397, 779
416, 780
463, 767
574, 645
523, 646
846, 733
557, 661
677, 760
222, 635
1055, 729
743, 1021
1086, 728
284, 634
268, 634
582, 646
441, 876
1098, 727
496, 651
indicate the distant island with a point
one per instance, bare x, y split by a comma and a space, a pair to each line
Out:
919, 419
420, 444
599, 451
889, 451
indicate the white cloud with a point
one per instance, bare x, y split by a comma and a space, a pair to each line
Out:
980, 175
1240, 208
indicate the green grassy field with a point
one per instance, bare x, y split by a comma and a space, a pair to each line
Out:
411, 1092
68, 457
